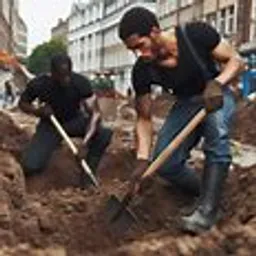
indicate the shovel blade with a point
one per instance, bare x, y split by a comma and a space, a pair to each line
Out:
119, 216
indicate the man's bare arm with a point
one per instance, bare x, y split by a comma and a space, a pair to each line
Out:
144, 127
39, 111
92, 107
233, 64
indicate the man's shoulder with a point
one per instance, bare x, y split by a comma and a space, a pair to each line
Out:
195, 25
79, 79
140, 63
199, 29
40, 80
202, 34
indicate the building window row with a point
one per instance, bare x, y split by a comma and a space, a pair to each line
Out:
166, 6
223, 20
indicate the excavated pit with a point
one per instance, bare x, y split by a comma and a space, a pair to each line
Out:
49, 214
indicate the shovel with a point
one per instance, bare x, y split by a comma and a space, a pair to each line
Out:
119, 215
74, 150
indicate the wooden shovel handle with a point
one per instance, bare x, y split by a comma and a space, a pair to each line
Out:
174, 144
64, 135
73, 148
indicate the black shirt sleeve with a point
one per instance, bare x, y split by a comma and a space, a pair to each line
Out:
141, 78
33, 89
204, 35
84, 86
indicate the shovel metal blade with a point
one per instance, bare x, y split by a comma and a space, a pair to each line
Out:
119, 216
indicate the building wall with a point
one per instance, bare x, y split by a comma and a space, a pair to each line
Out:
84, 40
210, 6
60, 30
20, 38
244, 20
5, 30
219, 13
4, 33
93, 41
13, 31
253, 21
6, 10
95, 47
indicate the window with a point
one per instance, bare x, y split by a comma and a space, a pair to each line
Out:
81, 43
230, 20
211, 19
222, 21
172, 5
184, 3
162, 7
109, 2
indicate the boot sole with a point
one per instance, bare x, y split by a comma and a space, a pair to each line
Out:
197, 229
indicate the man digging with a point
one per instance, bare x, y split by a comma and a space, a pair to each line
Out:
69, 97
173, 59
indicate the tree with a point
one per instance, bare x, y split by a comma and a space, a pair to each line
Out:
39, 60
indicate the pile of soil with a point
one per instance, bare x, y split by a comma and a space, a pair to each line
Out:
12, 137
108, 93
245, 123
55, 213
75, 220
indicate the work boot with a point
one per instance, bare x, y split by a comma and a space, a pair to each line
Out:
186, 181
207, 213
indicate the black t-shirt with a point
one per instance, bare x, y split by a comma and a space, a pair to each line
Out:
187, 78
65, 101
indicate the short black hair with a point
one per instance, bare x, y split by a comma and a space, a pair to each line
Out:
58, 60
137, 20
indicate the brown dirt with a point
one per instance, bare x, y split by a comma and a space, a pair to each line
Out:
245, 123
55, 213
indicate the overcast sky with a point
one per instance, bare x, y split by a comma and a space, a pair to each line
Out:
40, 16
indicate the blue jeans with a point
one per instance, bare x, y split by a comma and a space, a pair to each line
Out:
214, 129
46, 139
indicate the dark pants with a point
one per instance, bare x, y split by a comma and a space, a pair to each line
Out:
47, 139
214, 129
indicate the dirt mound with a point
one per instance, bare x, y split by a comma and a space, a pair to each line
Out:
26, 250
12, 195
56, 213
245, 124
12, 137
75, 220
109, 93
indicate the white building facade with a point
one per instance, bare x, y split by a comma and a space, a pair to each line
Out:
253, 22
20, 37
93, 41
13, 29
219, 13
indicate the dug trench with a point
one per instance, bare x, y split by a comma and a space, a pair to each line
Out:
50, 210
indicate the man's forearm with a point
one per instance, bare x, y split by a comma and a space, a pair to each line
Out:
92, 127
232, 69
144, 131
28, 108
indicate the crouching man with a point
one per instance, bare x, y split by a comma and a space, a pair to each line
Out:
69, 97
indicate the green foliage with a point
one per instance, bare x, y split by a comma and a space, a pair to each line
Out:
39, 60
100, 83
24, 61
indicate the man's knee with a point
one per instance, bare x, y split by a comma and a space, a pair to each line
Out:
183, 178
105, 136
171, 171
30, 166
